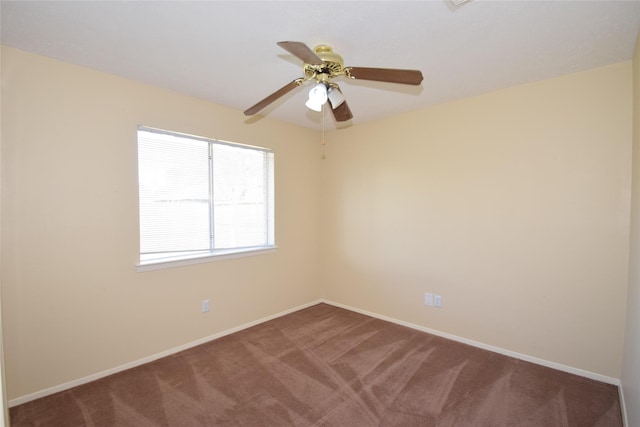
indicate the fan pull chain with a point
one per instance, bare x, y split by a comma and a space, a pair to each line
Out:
323, 141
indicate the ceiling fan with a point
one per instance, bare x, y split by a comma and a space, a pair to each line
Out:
322, 65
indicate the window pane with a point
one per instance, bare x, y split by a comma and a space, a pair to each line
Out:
174, 193
240, 197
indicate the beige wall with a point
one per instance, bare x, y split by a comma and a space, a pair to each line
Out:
514, 206
4, 413
630, 372
72, 300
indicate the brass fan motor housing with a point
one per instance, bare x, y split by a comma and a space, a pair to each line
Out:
332, 65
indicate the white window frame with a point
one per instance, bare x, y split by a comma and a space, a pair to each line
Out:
178, 260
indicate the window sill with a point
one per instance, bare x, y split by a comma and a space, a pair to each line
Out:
172, 262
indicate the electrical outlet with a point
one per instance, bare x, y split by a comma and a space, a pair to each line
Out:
437, 301
205, 305
428, 299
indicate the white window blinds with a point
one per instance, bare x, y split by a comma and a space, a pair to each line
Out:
200, 196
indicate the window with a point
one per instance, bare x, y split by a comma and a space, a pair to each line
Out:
201, 197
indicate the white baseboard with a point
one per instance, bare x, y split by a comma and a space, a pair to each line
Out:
527, 358
623, 407
80, 381
169, 352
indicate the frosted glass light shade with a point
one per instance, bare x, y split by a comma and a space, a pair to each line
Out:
335, 97
317, 97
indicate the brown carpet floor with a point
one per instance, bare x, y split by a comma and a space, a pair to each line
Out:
325, 366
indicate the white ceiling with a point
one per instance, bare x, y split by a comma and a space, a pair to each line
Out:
226, 52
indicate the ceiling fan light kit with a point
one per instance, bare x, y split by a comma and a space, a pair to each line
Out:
320, 93
322, 65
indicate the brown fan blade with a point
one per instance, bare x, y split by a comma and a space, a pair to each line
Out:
408, 77
275, 95
342, 113
301, 51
